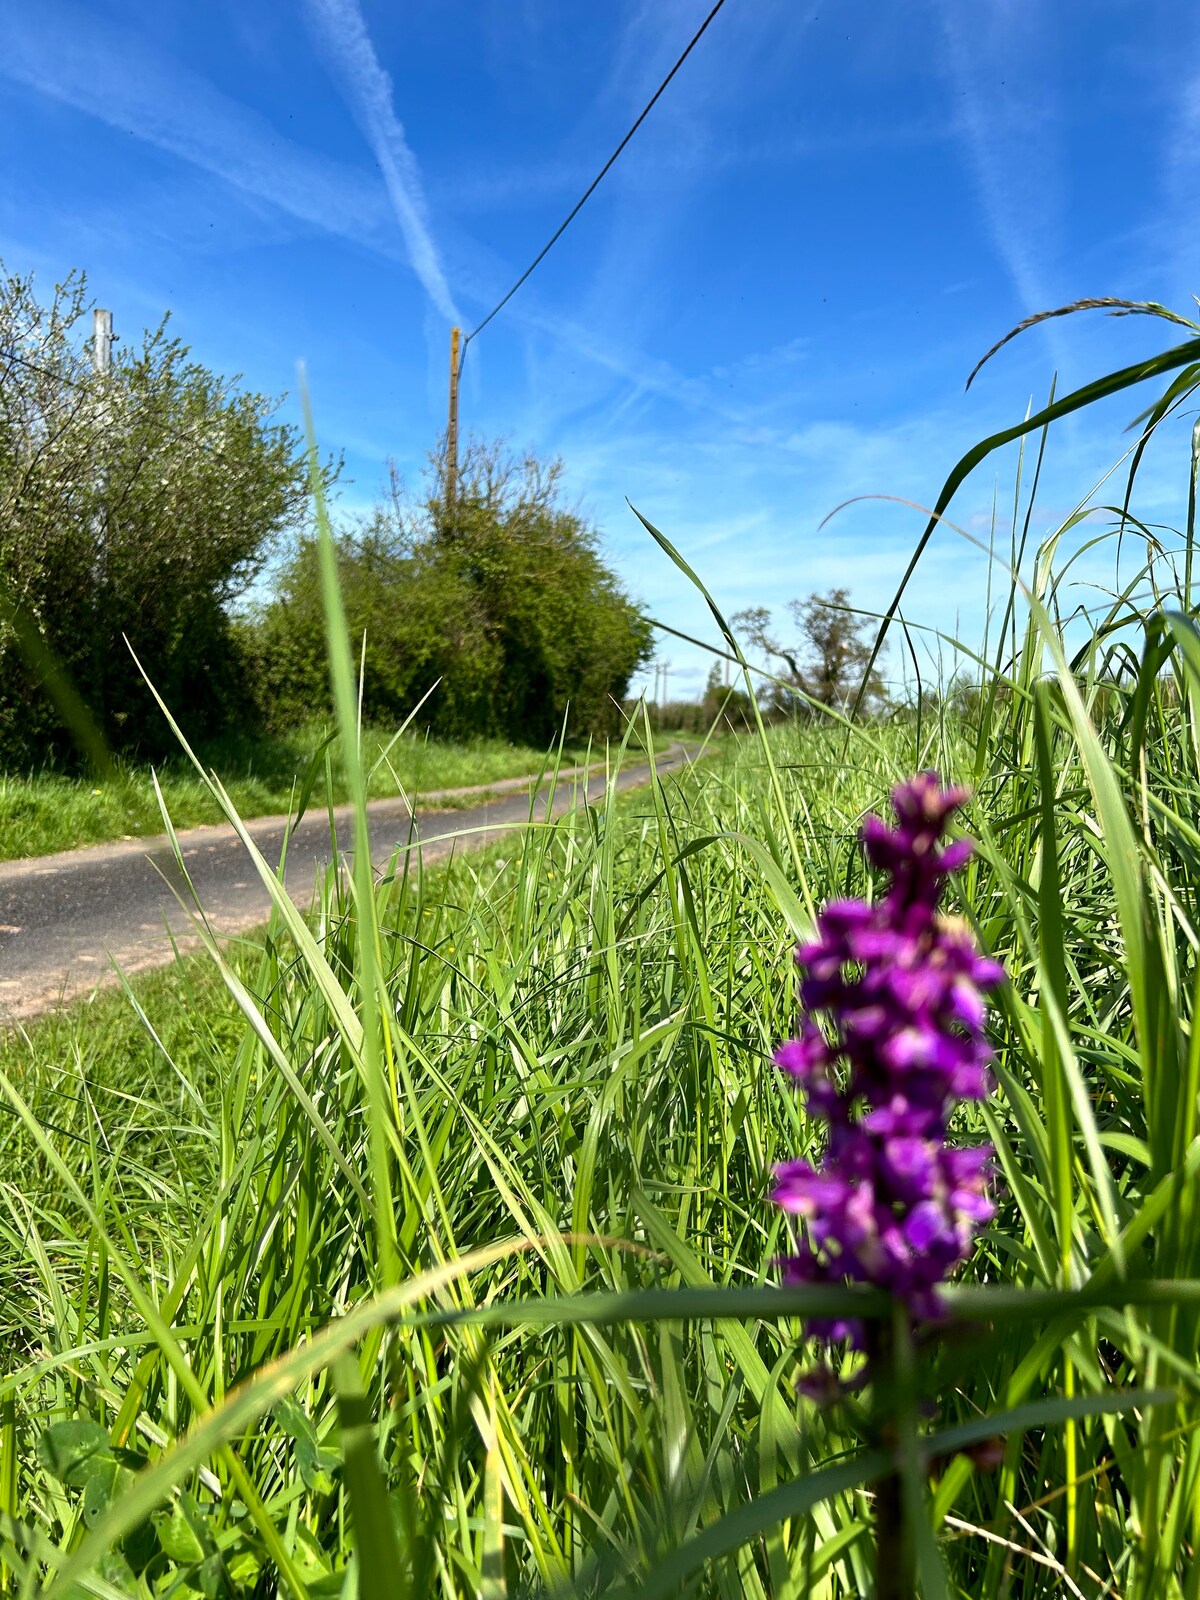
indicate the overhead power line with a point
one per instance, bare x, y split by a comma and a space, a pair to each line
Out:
594, 185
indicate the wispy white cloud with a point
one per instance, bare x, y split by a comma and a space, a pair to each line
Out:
1008, 143
759, 363
747, 506
76, 58
611, 380
683, 143
494, 186
68, 53
65, 52
1182, 172
340, 27
675, 151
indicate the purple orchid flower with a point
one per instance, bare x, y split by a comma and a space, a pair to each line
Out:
899, 990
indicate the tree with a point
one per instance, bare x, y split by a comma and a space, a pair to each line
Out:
828, 664
730, 705
568, 635
714, 691
505, 604
415, 620
135, 506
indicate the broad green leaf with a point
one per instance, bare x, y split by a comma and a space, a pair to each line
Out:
74, 1451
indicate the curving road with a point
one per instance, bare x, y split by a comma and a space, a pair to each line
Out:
66, 919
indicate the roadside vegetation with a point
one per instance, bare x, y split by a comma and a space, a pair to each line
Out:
425, 1247
51, 811
155, 524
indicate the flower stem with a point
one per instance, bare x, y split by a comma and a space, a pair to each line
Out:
893, 1557
895, 1577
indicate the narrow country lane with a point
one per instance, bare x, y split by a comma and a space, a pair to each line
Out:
66, 919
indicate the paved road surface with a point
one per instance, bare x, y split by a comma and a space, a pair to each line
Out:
64, 919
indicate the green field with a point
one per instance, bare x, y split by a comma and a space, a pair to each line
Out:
424, 1246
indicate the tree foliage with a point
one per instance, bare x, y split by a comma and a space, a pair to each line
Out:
828, 662
134, 507
502, 606
725, 705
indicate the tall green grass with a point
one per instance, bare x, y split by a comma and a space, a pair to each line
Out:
425, 1249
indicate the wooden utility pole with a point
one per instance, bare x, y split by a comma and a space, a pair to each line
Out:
102, 342
452, 426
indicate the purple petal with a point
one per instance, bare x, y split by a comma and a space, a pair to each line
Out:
955, 855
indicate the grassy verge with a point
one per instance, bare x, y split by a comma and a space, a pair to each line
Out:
44, 812
104, 1042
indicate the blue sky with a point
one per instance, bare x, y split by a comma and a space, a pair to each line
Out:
769, 306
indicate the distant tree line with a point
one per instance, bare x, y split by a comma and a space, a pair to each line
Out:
823, 668
722, 708
139, 509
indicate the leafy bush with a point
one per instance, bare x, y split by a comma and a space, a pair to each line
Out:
134, 507
503, 608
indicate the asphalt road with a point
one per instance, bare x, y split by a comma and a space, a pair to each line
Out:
66, 919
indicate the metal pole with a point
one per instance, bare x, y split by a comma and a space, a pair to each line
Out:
452, 426
102, 342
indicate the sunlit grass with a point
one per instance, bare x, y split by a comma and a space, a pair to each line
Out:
47, 811
578, 1029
